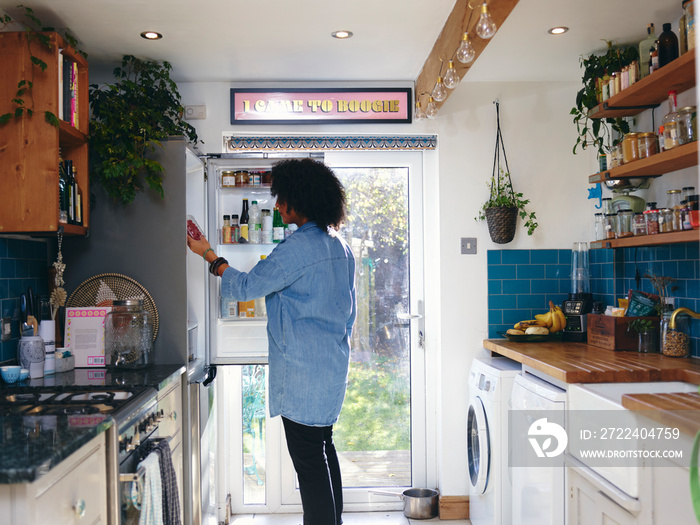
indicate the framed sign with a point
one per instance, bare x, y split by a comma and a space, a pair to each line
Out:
315, 106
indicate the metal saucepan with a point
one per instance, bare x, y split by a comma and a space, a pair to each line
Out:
418, 504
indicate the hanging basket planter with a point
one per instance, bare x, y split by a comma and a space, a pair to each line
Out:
501, 221
504, 205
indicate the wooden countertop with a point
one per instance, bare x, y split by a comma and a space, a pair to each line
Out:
581, 363
680, 410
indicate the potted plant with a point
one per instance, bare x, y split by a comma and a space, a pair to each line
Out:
130, 118
595, 132
504, 205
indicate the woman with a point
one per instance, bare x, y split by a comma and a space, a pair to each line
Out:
308, 282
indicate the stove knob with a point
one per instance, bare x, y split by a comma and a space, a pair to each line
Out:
130, 445
122, 445
137, 439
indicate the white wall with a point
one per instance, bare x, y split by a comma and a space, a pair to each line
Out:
539, 136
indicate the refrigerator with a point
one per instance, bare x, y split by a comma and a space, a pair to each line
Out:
234, 339
146, 241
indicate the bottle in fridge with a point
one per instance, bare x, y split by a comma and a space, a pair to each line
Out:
255, 224
243, 221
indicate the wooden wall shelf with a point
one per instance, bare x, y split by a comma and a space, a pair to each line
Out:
648, 240
651, 90
675, 159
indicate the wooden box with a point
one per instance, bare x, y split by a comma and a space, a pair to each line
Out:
612, 333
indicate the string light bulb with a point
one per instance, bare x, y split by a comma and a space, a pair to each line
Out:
485, 27
439, 92
451, 76
432, 110
420, 114
465, 53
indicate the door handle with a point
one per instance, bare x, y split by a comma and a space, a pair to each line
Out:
409, 317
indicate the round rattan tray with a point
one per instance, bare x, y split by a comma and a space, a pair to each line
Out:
113, 286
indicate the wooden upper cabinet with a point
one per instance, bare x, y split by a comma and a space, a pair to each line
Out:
29, 146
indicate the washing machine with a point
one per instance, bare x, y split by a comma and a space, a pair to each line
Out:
490, 383
539, 492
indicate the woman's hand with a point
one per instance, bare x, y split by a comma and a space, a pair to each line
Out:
200, 246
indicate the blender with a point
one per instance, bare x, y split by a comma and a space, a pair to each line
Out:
580, 300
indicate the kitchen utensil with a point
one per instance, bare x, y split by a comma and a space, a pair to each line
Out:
24, 328
418, 504
32, 322
10, 374
30, 350
580, 298
31, 303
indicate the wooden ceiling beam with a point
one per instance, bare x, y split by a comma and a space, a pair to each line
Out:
451, 36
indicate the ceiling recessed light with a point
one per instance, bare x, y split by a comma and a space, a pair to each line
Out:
341, 34
151, 35
558, 30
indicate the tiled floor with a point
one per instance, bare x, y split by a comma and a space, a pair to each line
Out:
349, 518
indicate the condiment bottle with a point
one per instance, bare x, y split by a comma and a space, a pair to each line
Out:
244, 223
254, 224
266, 227
668, 45
670, 123
235, 228
228, 179
226, 230
653, 58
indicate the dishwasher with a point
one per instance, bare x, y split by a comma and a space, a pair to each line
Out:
538, 491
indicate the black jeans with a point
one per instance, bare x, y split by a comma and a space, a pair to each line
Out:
316, 463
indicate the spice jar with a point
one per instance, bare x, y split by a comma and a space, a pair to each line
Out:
666, 220
675, 342
652, 219
610, 225
128, 335
640, 224
647, 145
687, 123
624, 223
227, 179
630, 151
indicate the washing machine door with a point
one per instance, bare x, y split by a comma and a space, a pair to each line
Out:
478, 446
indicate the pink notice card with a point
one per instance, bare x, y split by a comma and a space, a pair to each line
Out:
85, 335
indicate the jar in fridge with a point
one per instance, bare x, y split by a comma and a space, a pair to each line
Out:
647, 145
242, 178
687, 125
610, 225
639, 224
624, 223
652, 219
228, 180
630, 151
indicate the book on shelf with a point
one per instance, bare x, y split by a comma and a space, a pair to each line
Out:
68, 80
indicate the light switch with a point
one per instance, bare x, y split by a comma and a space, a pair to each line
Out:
468, 245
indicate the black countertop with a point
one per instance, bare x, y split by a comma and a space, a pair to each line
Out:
30, 446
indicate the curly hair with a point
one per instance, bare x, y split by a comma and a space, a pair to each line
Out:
311, 189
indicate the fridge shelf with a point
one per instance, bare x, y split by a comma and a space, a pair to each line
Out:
244, 320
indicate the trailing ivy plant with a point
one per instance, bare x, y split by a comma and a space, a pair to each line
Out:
603, 134
130, 118
23, 101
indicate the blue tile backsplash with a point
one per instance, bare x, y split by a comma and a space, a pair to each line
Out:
24, 263
522, 282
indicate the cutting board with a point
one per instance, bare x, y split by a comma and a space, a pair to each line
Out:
680, 410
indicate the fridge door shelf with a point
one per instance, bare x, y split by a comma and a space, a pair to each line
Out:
242, 320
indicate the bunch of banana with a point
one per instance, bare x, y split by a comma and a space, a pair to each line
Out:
550, 323
555, 318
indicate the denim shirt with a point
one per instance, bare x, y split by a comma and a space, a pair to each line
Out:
308, 282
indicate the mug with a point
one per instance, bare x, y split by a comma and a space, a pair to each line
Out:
30, 352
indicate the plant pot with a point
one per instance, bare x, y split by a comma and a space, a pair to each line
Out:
501, 221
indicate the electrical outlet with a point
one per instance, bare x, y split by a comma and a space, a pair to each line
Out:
6, 328
468, 245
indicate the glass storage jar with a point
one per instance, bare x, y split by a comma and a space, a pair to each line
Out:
242, 178
640, 224
128, 335
647, 144
227, 179
624, 223
652, 218
630, 145
610, 225
675, 342
666, 220
687, 124
599, 227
